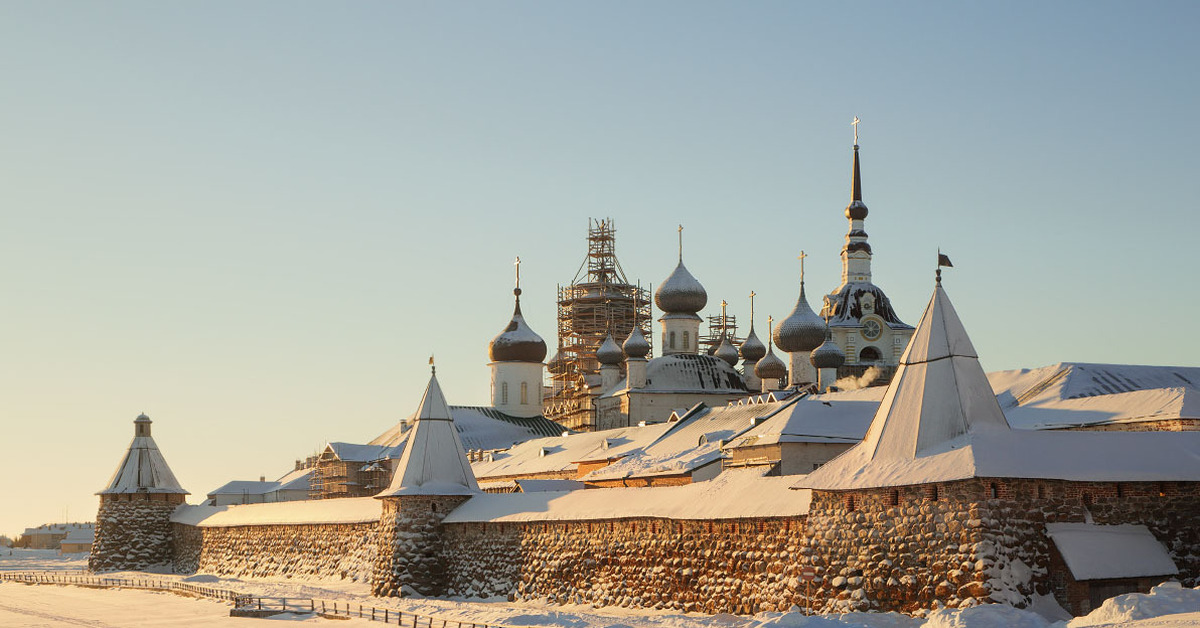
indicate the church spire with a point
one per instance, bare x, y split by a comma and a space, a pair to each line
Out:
856, 254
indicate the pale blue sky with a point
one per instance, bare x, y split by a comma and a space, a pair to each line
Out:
255, 221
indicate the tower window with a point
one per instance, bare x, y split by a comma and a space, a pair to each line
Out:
685, 341
524, 393
504, 392
671, 340
869, 354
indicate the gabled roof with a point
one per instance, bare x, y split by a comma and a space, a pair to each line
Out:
434, 462
351, 452
939, 421
245, 487
143, 469
480, 427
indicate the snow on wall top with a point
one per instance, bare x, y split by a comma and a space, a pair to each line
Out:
434, 462
734, 494
1094, 552
1074, 380
143, 470
348, 510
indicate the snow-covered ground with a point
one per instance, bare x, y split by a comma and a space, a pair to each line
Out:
1168, 606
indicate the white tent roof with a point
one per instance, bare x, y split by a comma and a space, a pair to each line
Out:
939, 421
434, 462
143, 470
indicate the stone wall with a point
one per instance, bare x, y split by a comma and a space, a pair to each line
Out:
409, 546
133, 532
980, 540
720, 566
344, 551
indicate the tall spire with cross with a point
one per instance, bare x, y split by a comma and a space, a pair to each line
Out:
856, 253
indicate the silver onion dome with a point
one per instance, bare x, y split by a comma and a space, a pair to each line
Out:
802, 330
680, 293
726, 351
635, 345
828, 355
770, 367
753, 349
517, 343
609, 352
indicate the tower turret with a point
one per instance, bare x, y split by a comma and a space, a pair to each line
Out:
680, 297
516, 362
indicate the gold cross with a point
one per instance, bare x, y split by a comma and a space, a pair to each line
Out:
801, 258
855, 125
752, 308
518, 265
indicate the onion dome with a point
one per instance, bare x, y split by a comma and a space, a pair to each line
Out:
770, 367
726, 351
635, 345
609, 352
752, 348
517, 343
856, 210
802, 330
680, 293
828, 355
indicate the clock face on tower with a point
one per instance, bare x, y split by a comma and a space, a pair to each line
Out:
871, 329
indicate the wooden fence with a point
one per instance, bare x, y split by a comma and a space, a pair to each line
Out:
243, 601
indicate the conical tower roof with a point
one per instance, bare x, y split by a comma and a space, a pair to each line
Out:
143, 469
434, 462
936, 404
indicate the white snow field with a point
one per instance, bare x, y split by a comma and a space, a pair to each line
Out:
1167, 606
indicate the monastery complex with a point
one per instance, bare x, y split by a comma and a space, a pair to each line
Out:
687, 467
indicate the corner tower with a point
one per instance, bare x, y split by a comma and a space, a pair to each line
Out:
133, 526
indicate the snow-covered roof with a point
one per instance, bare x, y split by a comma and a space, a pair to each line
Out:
352, 452
847, 305
295, 480
480, 427
689, 444
562, 454
434, 462
1094, 552
143, 469
245, 487
939, 421
1073, 394
543, 486
734, 494
836, 417
81, 535
348, 510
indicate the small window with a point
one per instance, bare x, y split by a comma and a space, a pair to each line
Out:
1041, 491
686, 345
671, 340
850, 503
524, 393
895, 500
504, 393
433, 507
1120, 490
931, 492
994, 491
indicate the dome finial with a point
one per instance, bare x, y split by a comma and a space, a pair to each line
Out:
432, 366
801, 258
752, 295
680, 244
517, 289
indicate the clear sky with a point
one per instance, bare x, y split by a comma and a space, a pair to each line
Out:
256, 221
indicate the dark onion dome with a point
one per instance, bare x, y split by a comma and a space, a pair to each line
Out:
856, 210
852, 247
726, 351
802, 330
680, 293
635, 345
770, 367
609, 352
517, 343
828, 355
752, 348
847, 305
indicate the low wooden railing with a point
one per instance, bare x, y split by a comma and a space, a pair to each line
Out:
244, 601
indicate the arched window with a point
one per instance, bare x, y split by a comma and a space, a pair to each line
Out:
869, 354
504, 392
524, 393
671, 340
685, 341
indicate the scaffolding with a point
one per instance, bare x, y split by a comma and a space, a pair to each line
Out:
710, 341
598, 302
